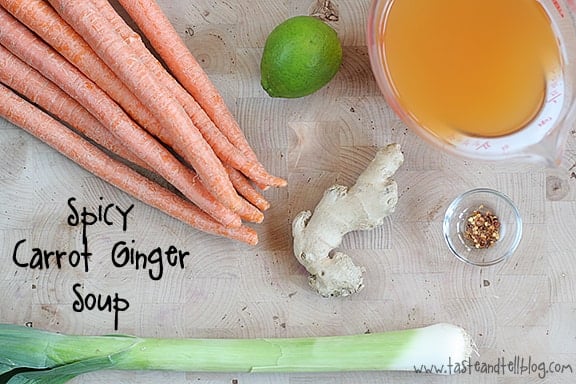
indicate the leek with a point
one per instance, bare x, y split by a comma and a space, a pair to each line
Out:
30, 355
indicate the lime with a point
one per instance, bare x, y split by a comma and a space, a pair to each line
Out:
301, 55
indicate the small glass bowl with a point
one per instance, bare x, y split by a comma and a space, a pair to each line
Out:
483, 199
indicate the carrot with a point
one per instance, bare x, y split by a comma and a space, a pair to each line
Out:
30, 118
25, 80
245, 189
227, 152
24, 44
154, 24
41, 18
101, 36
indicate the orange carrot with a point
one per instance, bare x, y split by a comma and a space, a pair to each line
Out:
227, 152
25, 80
109, 45
24, 44
154, 24
245, 189
25, 115
41, 18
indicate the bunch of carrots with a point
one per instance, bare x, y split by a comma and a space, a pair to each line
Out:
78, 77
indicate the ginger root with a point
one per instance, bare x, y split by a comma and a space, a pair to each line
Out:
341, 210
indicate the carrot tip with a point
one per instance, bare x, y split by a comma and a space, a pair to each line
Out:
247, 235
282, 183
277, 182
254, 218
263, 205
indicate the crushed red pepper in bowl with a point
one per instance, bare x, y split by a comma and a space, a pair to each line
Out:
482, 228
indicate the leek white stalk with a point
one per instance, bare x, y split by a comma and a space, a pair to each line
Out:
29, 355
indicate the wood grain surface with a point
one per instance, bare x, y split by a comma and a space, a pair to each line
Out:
523, 308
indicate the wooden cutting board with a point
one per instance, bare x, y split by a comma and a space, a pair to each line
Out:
523, 310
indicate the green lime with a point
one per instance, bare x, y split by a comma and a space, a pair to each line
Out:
301, 55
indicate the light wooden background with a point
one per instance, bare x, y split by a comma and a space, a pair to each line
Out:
524, 307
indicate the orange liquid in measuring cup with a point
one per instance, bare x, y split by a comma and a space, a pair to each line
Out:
476, 67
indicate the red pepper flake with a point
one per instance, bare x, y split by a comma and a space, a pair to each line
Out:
482, 228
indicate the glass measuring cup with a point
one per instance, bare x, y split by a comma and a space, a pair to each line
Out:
540, 138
